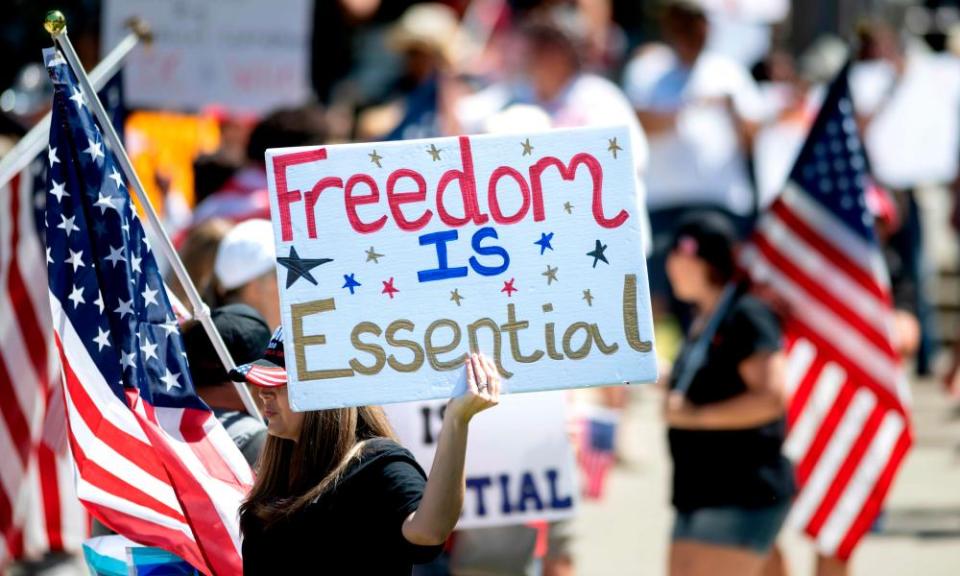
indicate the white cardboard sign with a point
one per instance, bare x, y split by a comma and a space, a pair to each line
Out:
519, 465
246, 55
395, 259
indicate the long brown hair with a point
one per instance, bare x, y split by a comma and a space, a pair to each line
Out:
291, 474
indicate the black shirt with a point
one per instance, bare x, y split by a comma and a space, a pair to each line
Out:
742, 467
353, 529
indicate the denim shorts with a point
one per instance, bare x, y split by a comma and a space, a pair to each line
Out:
752, 528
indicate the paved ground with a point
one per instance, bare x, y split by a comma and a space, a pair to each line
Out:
627, 533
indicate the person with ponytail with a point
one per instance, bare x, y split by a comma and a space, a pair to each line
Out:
336, 494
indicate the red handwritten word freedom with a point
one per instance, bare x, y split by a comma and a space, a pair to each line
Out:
362, 189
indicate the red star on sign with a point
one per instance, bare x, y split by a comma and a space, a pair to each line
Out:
508, 287
388, 288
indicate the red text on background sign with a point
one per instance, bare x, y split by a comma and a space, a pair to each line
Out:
408, 186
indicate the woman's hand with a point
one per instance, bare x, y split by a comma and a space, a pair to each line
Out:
483, 389
678, 411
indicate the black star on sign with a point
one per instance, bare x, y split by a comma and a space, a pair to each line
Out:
300, 267
597, 254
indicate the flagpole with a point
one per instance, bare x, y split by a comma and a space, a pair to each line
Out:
56, 25
34, 141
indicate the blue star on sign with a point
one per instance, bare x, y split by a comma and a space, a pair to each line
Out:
350, 282
544, 242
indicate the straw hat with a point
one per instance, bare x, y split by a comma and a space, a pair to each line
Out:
429, 26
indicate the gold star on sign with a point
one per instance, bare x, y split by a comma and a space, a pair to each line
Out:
568, 207
375, 158
588, 297
613, 147
456, 297
434, 152
551, 275
372, 255
527, 147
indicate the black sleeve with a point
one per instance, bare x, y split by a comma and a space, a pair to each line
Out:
403, 485
753, 328
902, 282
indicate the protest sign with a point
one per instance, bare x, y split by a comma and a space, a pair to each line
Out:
246, 55
395, 259
519, 460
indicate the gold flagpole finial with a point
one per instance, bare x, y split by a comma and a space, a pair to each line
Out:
140, 27
55, 23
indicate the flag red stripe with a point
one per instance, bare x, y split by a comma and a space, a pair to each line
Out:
50, 492
798, 402
19, 297
98, 476
853, 269
825, 432
131, 448
815, 291
884, 395
15, 542
847, 469
213, 540
148, 533
192, 429
871, 507
13, 417
28, 322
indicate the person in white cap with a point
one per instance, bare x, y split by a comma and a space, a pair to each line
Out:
245, 269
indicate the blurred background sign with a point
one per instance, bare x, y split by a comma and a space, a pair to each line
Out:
520, 465
244, 55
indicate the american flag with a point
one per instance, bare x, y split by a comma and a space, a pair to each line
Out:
816, 249
597, 455
39, 510
153, 463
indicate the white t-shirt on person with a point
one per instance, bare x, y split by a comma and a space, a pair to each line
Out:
701, 161
915, 132
587, 100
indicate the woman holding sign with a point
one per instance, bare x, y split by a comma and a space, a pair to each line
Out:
336, 494
726, 411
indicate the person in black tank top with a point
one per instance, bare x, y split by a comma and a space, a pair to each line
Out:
336, 494
732, 487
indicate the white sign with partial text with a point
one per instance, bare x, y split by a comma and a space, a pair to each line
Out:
519, 465
247, 56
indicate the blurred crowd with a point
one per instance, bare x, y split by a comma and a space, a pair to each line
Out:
717, 103
717, 106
